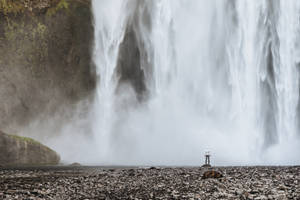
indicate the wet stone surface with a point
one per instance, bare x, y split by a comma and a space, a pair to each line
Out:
150, 183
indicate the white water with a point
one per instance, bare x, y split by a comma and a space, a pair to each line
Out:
222, 76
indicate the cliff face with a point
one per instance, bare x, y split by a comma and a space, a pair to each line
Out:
16, 151
45, 58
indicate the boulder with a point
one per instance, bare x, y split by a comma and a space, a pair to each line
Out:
212, 174
22, 151
75, 164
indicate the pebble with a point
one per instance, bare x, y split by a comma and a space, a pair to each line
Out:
258, 183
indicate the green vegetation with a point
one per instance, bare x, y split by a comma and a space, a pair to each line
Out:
8, 7
11, 6
62, 4
32, 37
25, 139
30, 141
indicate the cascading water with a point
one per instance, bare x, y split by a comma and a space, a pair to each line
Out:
110, 19
178, 77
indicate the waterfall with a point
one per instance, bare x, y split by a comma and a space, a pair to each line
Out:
179, 77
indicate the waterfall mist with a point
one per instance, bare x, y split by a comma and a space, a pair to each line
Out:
179, 77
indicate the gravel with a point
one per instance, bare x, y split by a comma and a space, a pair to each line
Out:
149, 183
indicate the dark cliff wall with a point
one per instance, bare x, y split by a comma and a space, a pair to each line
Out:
45, 58
134, 65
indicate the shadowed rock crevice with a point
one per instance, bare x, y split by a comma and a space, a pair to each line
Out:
134, 64
268, 85
269, 103
129, 67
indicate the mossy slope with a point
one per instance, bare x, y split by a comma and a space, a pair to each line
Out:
20, 151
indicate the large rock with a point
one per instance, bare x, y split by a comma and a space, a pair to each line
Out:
19, 151
212, 174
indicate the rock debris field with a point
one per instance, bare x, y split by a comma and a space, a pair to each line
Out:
149, 183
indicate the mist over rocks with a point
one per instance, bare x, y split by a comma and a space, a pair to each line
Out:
21, 151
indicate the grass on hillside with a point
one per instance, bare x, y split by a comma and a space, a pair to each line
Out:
25, 139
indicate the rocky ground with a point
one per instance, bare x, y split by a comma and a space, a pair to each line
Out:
149, 183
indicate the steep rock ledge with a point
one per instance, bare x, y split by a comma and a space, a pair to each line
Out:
19, 151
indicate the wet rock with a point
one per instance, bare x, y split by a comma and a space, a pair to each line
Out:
75, 164
153, 168
130, 67
212, 174
16, 151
